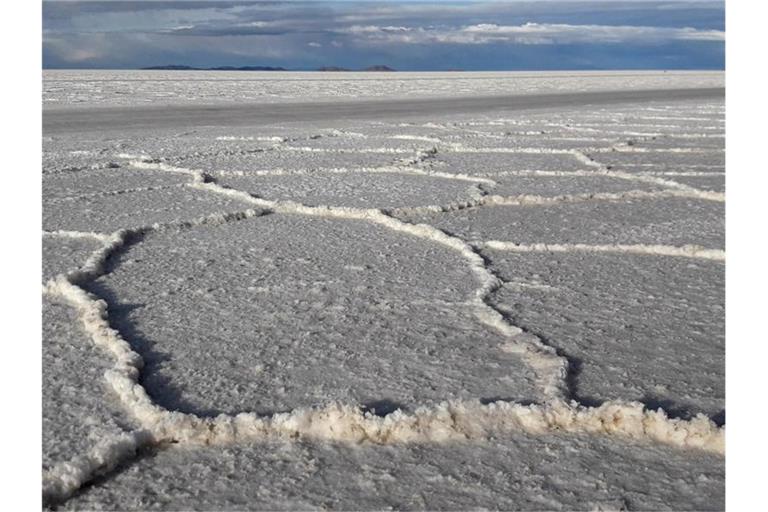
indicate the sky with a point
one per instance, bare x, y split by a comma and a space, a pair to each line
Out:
405, 35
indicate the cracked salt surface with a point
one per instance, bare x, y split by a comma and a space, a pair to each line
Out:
663, 160
294, 354
682, 141
65, 253
555, 183
490, 163
64, 89
657, 322
79, 411
297, 311
714, 183
514, 472
290, 159
91, 182
667, 221
362, 189
137, 208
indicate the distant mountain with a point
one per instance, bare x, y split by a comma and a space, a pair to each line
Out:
173, 67
378, 67
176, 67
247, 68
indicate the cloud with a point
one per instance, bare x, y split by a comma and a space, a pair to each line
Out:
306, 34
252, 28
564, 33
531, 34
64, 9
372, 29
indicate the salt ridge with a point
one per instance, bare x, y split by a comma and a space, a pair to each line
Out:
454, 420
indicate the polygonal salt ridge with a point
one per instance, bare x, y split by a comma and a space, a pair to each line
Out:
573, 184
282, 133
173, 151
492, 318
707, 181
534, 132
609, 170
322, 211
677, 140
648, 186
595, 219
698, 109
594, 473
291, 158
78, 411
644, 132
63, 283
457, 420
655, 172
666, 124
221, 142
607, 127
107, 181
66, 154
384, 187
372, 143
672, 158
55, 165
335, 142
164, 144
406, 170
522, 140
266, 314
488, 161
107, 213
685, 251
64, 252
85, 429
491, 200
473, 136
654, 314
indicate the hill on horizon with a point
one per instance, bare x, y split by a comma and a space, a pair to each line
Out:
181, 67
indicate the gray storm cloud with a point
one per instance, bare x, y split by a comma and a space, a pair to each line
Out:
404, 35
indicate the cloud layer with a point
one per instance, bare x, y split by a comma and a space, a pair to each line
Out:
532, 33
405, 35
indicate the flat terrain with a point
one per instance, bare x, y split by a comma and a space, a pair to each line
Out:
255, 114
78, 89
511, 300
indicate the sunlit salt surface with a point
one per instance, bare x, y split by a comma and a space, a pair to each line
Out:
506, 309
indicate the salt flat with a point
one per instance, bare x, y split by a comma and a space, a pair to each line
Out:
494, 301
72, 89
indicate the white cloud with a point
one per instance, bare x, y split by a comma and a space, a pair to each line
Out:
258, 24
314, 44
374, 29
532, 34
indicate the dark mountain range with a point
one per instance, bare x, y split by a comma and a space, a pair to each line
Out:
378, 67
176, 67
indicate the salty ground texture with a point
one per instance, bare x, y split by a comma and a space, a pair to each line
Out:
510, 310
95, 88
